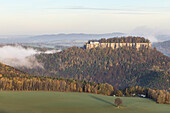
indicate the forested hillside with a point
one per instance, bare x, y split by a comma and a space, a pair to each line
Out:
120, 67
13, 79
7, 71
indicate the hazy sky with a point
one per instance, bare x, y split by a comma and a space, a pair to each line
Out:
23, 17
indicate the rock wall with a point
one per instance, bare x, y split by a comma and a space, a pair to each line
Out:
117, 45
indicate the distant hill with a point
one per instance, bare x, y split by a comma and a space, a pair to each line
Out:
163, 47
72, 36
52, 38
69, 40
163, 37
120, 67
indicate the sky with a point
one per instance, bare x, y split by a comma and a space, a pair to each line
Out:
36, 17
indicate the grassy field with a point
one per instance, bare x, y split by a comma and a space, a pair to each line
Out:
60, 102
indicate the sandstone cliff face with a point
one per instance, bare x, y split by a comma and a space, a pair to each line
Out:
117, 45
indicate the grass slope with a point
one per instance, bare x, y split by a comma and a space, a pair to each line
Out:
61, 102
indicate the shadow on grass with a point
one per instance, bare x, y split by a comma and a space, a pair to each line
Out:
1, 111
102, 100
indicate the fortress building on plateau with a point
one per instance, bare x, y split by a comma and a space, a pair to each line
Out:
115, 43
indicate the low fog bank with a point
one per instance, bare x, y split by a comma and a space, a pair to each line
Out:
17, 56
51, 51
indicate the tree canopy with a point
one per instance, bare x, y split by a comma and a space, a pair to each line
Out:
129, 39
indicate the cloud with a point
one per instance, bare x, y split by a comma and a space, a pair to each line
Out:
111, 10
149, 33
85, 8
18, 56
51, 51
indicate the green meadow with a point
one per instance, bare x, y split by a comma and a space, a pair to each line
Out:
64, 102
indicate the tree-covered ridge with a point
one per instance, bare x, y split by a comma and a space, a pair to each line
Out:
128, 39
7, 71
120, 67
35, 83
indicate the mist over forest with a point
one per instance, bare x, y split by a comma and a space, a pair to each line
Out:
19, 56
